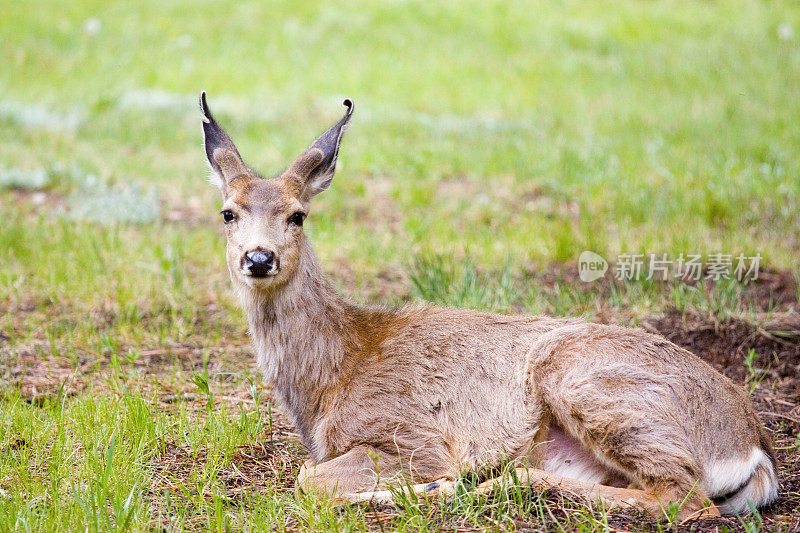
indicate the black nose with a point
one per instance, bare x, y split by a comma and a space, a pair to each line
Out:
259, 263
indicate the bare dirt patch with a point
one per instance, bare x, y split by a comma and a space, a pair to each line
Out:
774, 337
271, 465
41, 374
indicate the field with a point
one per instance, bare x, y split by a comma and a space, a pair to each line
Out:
492, 143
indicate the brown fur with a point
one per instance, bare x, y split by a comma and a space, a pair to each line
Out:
427, 393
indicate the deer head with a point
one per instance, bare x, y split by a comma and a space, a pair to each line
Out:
263, 218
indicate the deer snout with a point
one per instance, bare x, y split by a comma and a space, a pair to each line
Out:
260, 263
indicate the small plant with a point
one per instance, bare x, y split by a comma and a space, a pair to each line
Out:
753, 523
671, 512
104, 510
754, 375
108, 344
203, 384
132, 355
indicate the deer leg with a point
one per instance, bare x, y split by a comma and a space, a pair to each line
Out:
654, 503
611, 497
355, 475
694, 502
354, 471
443, 486
364, 474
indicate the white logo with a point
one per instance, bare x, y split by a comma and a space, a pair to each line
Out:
591, 266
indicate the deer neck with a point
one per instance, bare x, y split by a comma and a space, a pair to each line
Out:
299, 331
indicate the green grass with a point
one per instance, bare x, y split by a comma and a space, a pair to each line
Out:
93, 461
491, 141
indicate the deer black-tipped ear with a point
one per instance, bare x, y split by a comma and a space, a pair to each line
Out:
315, 167
222, 154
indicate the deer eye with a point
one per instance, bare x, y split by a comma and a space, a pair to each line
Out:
297, 218
228, 216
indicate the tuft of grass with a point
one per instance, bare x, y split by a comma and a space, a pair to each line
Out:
444, 282
755, 375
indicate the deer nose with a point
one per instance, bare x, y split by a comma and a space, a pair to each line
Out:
259, 263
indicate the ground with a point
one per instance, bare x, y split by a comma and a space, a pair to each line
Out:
492, 143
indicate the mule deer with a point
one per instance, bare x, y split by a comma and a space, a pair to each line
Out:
416, 396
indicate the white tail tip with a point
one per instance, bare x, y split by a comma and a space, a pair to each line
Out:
760, 490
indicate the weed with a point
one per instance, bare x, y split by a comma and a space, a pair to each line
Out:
755, 375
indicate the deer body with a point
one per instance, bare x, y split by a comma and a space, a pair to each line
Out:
426, 393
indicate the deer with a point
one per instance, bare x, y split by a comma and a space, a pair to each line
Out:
413, 398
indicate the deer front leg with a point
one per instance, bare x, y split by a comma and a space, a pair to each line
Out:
364, 474
362, 469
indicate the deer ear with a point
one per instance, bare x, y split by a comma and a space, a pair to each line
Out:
314, 169
222, 154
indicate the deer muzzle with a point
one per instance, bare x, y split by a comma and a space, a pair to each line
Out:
260, 264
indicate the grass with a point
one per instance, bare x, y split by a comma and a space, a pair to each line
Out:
755, 375
493, 142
